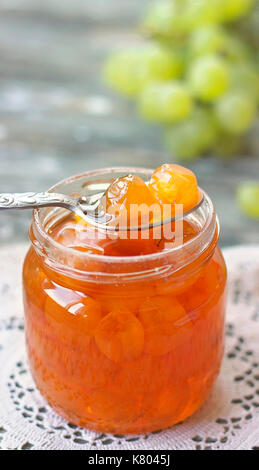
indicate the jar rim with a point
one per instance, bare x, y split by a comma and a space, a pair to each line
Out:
44, 237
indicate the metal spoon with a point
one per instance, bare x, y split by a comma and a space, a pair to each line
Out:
85, 207
88, 208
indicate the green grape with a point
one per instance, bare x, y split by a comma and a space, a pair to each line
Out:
165, 18
208, 77
206, 40
165, 102
188, 139
244, 77
130, 70
180, 51
248, 198
234, 9
235, 112
120, 72
203, 12
160, 63
178, 17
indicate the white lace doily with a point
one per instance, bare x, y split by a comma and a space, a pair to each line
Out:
228, 420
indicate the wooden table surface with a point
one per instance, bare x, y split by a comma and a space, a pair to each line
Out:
57, 118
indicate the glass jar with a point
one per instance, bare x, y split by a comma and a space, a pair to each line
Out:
169, 306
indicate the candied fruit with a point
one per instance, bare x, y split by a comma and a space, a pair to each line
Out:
71, 315
169, 402
203, 288
125, 193
165, 324
120, 336
174, 184
107, 405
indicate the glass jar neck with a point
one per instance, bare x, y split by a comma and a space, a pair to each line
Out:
95, 267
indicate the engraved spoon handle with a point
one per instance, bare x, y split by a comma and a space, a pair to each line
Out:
35, 200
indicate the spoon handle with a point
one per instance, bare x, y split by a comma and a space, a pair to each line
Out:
34, 200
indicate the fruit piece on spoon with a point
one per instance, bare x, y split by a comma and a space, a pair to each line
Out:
175, 184
124, 196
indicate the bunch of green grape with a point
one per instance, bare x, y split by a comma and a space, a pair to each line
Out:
195, 72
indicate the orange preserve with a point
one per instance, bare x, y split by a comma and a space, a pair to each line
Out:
125, 330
